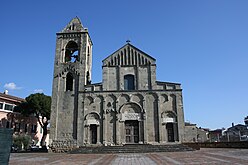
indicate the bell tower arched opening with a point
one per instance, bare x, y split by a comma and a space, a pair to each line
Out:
71, 52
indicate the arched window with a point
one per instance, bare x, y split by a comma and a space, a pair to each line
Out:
88, 81
71, 52
129, 82
69, 82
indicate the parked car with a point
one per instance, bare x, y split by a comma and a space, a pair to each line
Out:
14, 148
34, 148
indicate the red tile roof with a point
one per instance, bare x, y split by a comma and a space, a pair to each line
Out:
10, 98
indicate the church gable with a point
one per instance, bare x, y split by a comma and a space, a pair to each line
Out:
128, 55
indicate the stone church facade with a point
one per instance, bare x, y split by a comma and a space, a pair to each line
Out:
128, 106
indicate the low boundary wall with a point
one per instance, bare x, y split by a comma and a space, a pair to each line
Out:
241, 144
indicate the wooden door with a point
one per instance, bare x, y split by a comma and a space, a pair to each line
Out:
170, 132
93, 132
132, 131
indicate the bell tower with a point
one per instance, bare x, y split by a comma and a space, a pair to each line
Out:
72, 71
74, 52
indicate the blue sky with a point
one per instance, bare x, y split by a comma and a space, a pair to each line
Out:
201, 44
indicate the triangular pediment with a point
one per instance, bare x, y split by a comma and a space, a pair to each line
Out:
128, 55
74, 25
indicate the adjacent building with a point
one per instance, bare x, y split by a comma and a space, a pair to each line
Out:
21, 125
7, 104
192, 133
216, 135
237, 132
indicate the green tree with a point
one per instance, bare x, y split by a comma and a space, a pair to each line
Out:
246, 120
39, 105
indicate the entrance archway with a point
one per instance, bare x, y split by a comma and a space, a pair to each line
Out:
169, 120
131, 123
92, 128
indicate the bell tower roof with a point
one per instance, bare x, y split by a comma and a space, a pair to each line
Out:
74, 25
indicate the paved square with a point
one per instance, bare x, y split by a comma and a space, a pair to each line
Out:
204, 156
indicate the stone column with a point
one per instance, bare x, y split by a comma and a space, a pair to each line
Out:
165, 133
144, 122
159, 121
137, 76
180, 117
89, 135
86, 130
80, 125
118, 77
98, 134
117, 129
156, 120
141, 128
118, 123
121, 130
175, 128
105, 124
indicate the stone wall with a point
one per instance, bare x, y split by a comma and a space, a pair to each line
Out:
242, 144
59, 146
190, 133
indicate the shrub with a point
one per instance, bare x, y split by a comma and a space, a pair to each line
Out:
22, 141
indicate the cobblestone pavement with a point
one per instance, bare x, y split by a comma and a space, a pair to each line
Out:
204, 156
